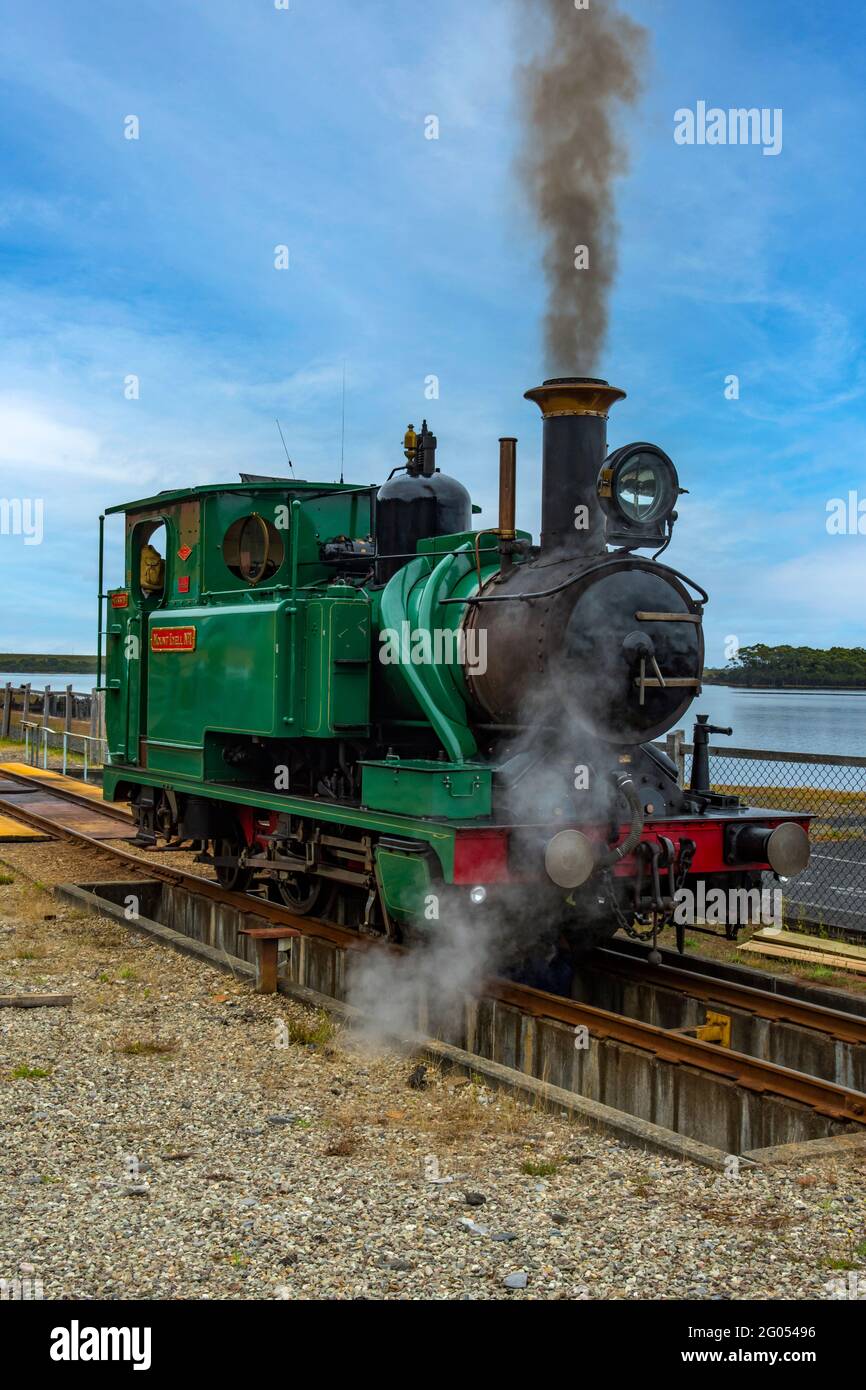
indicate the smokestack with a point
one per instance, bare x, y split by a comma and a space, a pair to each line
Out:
575, 411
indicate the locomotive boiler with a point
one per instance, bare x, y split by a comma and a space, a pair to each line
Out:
346, 694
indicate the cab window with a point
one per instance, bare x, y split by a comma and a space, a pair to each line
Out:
253, 549
148, 561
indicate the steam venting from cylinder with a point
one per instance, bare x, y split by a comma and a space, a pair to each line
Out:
572, 152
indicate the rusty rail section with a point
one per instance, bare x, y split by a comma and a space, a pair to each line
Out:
669, 1046
825, 1097
779, 1008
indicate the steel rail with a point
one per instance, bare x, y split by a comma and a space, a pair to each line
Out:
753, 1074
778, 1008
750, 1072
208, 887
51, 788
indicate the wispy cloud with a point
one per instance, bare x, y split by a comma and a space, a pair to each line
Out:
410, 258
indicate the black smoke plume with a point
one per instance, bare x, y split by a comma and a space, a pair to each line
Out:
588, 67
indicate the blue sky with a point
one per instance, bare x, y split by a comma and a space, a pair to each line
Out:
411, 257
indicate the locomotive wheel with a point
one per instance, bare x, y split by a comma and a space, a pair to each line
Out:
231, 876
299, 892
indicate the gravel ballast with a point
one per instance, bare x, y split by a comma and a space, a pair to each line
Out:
174, 1135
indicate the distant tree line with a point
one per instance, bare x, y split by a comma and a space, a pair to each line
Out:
843, 667
12, 662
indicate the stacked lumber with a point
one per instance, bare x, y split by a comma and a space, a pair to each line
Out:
812, 950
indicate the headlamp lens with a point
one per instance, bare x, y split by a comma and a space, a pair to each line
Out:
640, 488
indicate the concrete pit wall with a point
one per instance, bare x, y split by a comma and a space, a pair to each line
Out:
712, 1110
801, 1049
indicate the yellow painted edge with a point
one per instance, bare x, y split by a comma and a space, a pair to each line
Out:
16, 830
43, 774
27, 770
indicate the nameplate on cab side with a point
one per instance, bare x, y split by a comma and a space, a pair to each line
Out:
172, 639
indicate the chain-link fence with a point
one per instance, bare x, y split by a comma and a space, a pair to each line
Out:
832, 891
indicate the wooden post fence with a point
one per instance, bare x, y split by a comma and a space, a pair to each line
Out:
674, 749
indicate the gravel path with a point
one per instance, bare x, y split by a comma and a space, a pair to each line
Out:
173, 1135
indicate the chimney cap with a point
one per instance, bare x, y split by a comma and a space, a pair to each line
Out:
575, 395
575, 381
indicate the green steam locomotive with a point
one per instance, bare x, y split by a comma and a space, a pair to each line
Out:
344, 695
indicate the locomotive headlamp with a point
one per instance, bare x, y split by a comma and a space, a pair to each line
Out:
478, 894
638, 489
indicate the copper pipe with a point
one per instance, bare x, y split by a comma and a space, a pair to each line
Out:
507, 487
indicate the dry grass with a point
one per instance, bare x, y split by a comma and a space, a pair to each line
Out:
146, 1047
25, 950
463, 1108
824, 803
311, 1029
469, 1111
344, 1137
451, 1112
731, 1215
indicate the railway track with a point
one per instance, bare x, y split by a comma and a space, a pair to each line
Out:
669, 1045
45, 794
711, 989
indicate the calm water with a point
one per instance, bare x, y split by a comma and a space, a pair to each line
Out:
82, 684
796, 721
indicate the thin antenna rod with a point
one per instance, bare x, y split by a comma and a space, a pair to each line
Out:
343, 423
279, 427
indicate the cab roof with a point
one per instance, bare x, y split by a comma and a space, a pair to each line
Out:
287, 486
